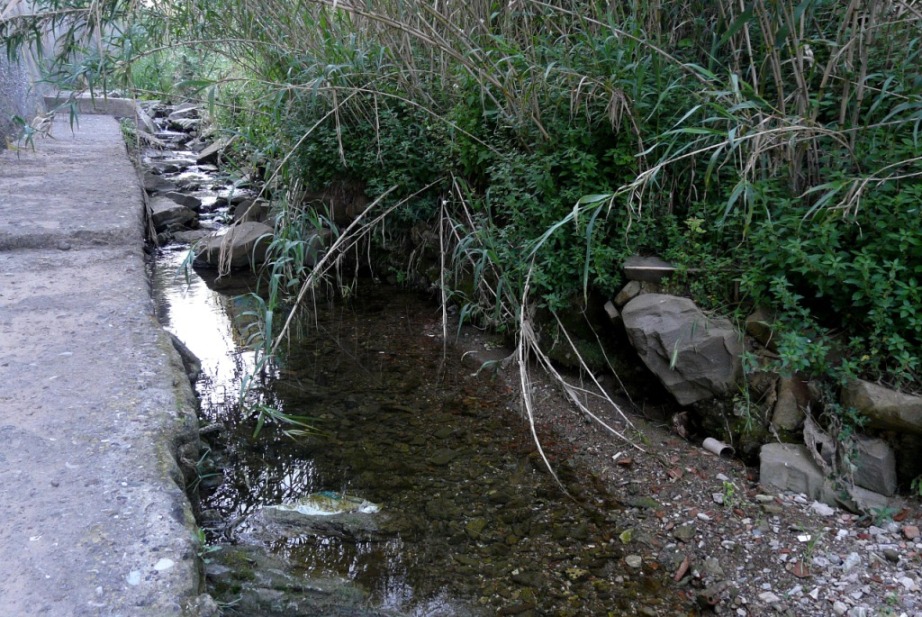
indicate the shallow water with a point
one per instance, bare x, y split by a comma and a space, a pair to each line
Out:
470, 521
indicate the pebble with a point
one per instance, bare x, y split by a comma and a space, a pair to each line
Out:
634, 561
839, 608
851, 561
911, 532
769, 598
822, 509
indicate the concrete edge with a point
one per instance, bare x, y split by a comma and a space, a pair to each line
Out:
99, 104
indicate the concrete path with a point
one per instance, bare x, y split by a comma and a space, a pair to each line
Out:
94, 408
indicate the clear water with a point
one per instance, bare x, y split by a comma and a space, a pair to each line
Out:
470, 522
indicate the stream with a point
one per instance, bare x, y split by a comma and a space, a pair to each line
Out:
416, 491
470, 523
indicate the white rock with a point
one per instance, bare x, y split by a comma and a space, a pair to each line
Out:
769, 598
634, 561
822, 509
853, 560
815, 592
134, 578
820, 562
908, 583
164, 564
839, 608
703, 517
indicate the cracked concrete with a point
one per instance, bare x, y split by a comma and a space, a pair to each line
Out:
94, 405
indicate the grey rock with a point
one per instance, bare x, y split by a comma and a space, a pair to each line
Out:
614, 315
252, 210
887, 409
191, 236
647, 269
628, 293
863, 500
166, 214
695, 357
634, 289
790, 467
144, 121
184, 111
190, 201
875, 464
759, 327
793, 398
211, 154
156, 184
243, 245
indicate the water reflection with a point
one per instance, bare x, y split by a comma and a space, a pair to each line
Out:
202, 319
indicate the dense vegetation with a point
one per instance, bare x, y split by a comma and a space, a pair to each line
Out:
769, 147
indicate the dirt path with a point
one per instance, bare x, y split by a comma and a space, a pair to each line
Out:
94, 411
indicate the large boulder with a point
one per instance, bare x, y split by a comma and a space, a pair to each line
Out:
242, 245
885, 408
696, 357
790, 467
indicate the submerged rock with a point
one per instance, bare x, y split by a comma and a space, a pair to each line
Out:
325, 514
257, 583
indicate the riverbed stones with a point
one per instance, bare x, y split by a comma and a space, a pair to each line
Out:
243, 245
887, 409
154, 183
213, 153
190, 201
167, 215
694, 356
